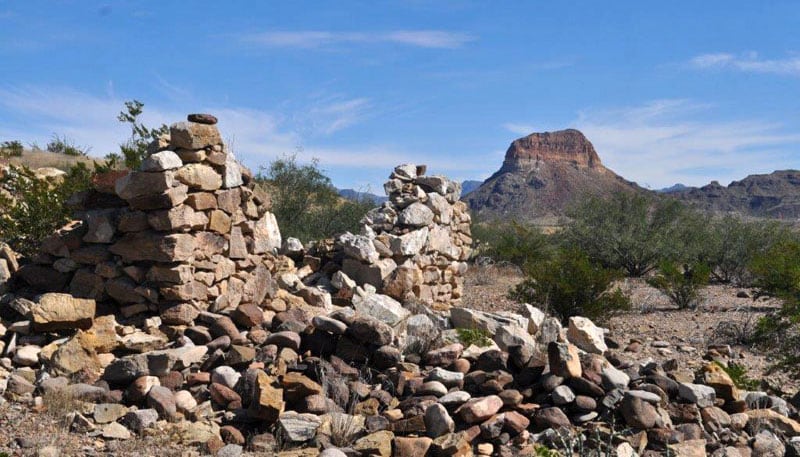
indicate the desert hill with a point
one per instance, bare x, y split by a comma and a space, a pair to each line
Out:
542, 174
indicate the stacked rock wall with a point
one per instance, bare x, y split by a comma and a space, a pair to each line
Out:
185, 233
415, 246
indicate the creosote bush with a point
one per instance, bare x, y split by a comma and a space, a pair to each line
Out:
307, 204
570, 284
36, 207
777, 273
63, 145
11, 149
633, 232
513, 242
681, 283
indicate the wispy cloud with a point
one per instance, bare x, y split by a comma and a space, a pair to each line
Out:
257, 136
749, 62
667, 141
310, 39
331, 116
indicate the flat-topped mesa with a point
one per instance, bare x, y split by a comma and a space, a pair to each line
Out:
564, 146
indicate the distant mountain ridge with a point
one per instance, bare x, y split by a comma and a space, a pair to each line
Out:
774, 195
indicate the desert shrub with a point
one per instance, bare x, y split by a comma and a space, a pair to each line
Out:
776, 272
634, 232
470, 336
733, 244
738, 374
681, 283
63, 145
520, 244
134, 150
306, 203
11, 149
34, 208
570, 284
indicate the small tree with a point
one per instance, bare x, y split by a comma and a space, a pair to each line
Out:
134, 150
681, 283
305, 202
633, 232
572, 285
522, 245
777, 273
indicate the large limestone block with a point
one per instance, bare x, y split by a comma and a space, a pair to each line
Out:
142, 184
178, 218
409, 244
156, 247
416, 215
382, 307
56, 311
266, 235
161, 161
583, 333
169, 199
373, 274
199, 176
191, 135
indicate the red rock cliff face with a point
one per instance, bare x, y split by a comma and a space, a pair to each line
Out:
564, 146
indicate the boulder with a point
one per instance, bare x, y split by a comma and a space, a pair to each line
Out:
55, 311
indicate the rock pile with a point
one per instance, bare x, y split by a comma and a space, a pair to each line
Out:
415, 246
233, 346
188, 232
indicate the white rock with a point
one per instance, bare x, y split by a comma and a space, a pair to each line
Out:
583, 333
27, 355
161, 161
513, 335
184, 401
232, 172
535, 317
409, 244
405, 172
359, 247
381, 307
416, 215
225, 375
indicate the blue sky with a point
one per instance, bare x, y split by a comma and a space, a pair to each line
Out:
667, 91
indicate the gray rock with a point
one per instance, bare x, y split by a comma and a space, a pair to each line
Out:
454, 399
140, 419
766, 444
446, 377
299, 427
230, 450
701, 395
225, 375
329, 324
438, 421
562, 395
416, 215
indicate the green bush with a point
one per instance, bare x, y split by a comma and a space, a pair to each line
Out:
634, 232
63, 145
470, 336
36, 207
738, 374
733, 244
776, 272
306, 204
11, 149
570, 284
513, 242
681, 283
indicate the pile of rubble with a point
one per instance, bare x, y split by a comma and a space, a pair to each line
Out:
185, 320
415, 246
